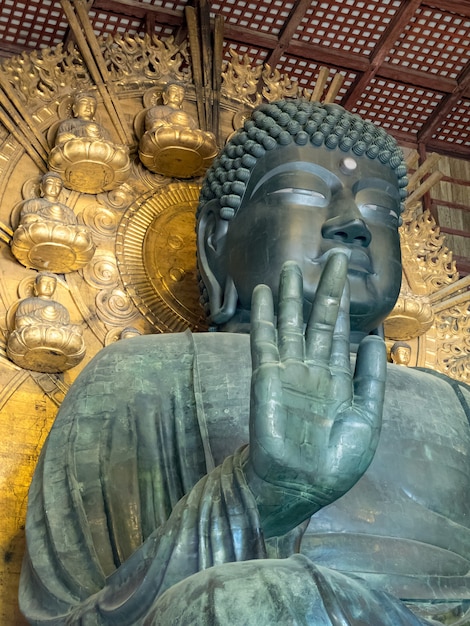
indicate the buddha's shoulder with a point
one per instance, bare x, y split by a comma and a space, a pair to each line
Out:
408, 378
422, 396
162, 347
161, 360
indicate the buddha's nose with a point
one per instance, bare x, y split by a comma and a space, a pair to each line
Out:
347, 229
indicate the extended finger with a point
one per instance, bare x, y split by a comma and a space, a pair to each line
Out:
322, 321
263, 333
340, 349
369, 379
290, 322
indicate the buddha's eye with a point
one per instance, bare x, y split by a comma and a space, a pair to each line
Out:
306, 192
310, 196
377, 207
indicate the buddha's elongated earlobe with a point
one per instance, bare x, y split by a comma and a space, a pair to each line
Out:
222, 296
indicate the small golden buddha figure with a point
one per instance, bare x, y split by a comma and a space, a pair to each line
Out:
400, 353
172, 144
43, 339
84, 154
48, 236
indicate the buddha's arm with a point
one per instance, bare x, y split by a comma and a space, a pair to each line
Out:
215, 523
156, 117
29, 212
314, 427
65, 133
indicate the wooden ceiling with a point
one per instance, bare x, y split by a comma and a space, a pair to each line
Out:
406, 63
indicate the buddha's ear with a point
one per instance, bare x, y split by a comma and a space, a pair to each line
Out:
211, 233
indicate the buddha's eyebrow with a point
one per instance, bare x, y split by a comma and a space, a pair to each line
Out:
296, 169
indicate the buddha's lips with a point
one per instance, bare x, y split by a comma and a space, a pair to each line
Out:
358, 259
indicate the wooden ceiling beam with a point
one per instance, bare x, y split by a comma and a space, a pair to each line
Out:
452, 150
455, 231
416, 78
287, 32
460, 7
406, 140
463, 265
437, 202
150, 22
12, 49
384, 45
445, 107
132, 8
286, 45
328, 56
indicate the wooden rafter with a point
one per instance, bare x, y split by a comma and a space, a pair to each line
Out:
287, 32
380, 53
132, 8
461, 7
445, 107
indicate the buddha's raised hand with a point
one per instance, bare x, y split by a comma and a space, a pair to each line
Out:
314, 426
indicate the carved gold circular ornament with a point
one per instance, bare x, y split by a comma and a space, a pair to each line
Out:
156, 253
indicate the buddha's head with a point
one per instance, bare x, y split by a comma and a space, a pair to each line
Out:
84, 106
300, 180
45, 285
51, 185
173, 95
400, 353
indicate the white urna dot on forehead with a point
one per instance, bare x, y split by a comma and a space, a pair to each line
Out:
348, 165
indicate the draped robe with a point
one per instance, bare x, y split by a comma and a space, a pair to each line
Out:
139, 512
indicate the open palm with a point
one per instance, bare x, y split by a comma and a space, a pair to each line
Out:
314, 426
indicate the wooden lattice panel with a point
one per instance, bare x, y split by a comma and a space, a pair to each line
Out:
110, 24
32, 23
266, 16
306, 74
171, 5
456, 128
347, 25
435, 42
397, 107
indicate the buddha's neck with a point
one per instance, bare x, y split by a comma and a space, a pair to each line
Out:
240, 323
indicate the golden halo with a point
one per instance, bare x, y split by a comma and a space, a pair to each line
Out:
156, 254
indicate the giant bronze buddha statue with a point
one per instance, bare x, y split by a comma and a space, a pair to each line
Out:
187, 481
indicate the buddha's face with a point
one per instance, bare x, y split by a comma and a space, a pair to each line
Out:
304, 209
51, 186
401, 355
45, 286
85, 108
174, 96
